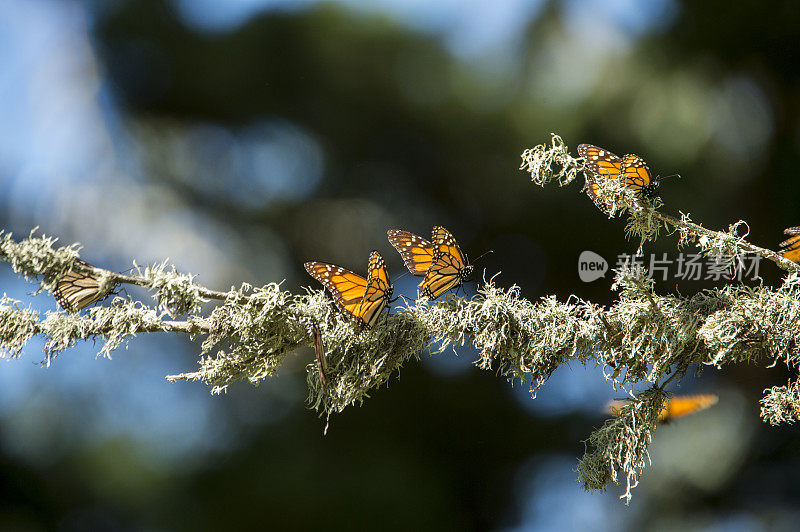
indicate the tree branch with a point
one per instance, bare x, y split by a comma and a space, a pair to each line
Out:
642, 337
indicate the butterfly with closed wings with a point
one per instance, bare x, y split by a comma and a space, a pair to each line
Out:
441, 262
359, 298
77, 289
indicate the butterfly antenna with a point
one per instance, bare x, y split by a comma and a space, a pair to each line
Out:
668, 176
401, 276
479, 258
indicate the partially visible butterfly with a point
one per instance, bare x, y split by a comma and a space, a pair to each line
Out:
360, 298
417, 252
78, 289
319, 350
631, 170
790, 248
442, 262
675, 407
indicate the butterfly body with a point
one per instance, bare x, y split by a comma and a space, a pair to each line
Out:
441, 261
361, 298
76, 290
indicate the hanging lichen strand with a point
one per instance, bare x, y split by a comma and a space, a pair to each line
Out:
642, 338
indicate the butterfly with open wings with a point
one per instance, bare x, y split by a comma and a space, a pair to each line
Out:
441, 262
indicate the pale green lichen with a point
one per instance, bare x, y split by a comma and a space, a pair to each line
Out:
726, 247
520, 339
17, 326
643, 223
781, 404
257, 328
115, 324
176, 293
755, 325
727, 244
517, 338
547, 163
653, 335
686, 235
619, 447
35, 257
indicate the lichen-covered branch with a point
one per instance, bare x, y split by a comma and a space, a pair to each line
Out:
643, 337
620, 445
553, 162
735, 324
114, 325
36, 257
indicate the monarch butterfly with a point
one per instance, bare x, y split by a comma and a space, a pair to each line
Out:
442, 262
79, 289
631, 170
790, 248
675, 407
362, 299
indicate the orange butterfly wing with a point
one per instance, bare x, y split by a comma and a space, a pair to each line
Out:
360, 298
417, 252
675, 407
601, 164
346, 287
378, 291
599, 161
635, 174
790, 248
593, 191
683, 405
449, 266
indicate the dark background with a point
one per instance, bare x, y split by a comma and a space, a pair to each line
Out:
241, 139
